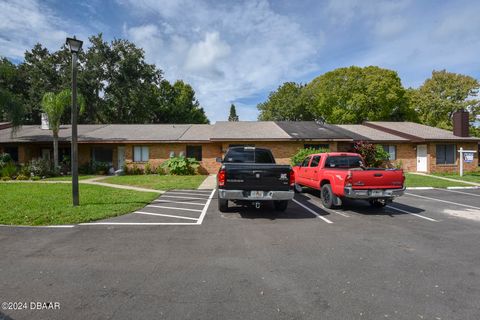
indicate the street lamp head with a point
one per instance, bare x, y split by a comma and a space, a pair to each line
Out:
74, 44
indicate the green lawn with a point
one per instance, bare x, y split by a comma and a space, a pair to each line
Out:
51, 204
467, 176
415, 180
158, 182
69, 178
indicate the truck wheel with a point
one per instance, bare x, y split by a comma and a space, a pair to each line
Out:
297, 188
378, 203
222, 205
280, 205
327, 196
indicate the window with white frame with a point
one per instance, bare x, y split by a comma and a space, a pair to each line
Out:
391, 150
140, 154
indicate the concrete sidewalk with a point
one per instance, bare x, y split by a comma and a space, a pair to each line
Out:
209, 183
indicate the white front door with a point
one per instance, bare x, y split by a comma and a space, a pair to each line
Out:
121, 157
422, 158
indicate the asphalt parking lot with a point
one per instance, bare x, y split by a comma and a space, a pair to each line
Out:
418, 258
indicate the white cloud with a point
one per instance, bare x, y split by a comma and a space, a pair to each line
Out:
206, 54
225, 52
24, 23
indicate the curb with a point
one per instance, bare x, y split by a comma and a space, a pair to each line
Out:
470, 188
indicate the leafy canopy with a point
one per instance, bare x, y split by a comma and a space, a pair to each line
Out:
440, 96
355, 94
288, 103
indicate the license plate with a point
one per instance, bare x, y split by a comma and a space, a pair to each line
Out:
256, 194
377, 193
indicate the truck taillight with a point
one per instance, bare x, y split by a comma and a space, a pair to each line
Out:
348, 179
292, 178
221, 177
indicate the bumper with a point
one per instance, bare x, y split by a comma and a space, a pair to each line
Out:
245, 195
373, 193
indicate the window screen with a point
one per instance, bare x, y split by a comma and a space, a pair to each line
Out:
102, 154
316, 146
194, 152
140, 154
446, 154
392, 151
13, 152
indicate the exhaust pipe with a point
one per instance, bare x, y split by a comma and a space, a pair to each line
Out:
257, 205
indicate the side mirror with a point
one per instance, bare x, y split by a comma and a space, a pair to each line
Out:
218, 159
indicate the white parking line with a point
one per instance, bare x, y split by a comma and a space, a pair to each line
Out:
311, 211
139, 224
204, 211
444, 201
450, 190
182, 197
328, 210
188, 194
186, 190
183, 202
413, 214
173, 208
166, 215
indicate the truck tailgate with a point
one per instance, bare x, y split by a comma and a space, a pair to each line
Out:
257, 176
377, 179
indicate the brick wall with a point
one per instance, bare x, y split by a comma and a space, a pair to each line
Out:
452, 167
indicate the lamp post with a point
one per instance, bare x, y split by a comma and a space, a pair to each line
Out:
75, 46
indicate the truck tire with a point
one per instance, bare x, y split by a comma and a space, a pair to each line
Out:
297, 188
378, 203
327, 196
222, 205
280, 205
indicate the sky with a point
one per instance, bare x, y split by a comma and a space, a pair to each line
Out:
239, 51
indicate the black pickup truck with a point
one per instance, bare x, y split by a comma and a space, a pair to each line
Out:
249, 175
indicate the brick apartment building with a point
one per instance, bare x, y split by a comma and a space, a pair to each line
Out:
414, 146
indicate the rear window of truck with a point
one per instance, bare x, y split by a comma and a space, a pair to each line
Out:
249, 156
343, 162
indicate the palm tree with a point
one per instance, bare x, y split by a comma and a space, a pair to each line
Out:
54, 106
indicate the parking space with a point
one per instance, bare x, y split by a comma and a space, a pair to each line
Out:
417, 258
429, 206
175, 207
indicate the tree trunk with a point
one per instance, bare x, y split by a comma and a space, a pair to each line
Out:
55, 152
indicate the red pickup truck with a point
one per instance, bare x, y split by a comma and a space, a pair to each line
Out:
341, 175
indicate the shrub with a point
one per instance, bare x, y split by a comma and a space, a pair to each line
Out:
5, 158
100, 167
22, 177
6, 178
160, 171
8, 170
85, 168
181, 166
149, 168
35, 178
40, 168
302, 153
373, 155
134, 169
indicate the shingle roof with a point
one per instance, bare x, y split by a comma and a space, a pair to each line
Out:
248, 130
361, 132
101, 132
412, 130
198, 132
311, 130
